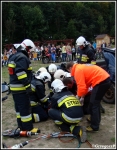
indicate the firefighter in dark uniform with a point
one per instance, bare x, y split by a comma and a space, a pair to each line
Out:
20, 72
38, 99
85, 53
66, 110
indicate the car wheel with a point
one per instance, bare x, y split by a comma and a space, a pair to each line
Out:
59, 60
45, 60
109, 96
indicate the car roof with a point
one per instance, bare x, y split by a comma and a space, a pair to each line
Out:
107, 49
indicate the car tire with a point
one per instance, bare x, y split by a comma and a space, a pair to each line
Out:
58, 59
109, 96
45, 60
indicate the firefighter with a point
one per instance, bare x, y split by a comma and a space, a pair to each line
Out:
66, 110
85, 53
86, 76
20, 73
38, 98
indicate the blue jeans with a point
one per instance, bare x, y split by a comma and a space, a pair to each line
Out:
64, 55
53, 56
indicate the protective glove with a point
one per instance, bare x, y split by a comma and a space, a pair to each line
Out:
82, 101
29, 91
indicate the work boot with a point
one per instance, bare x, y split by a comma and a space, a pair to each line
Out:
83, 134
90, 129
35, 130
80, 133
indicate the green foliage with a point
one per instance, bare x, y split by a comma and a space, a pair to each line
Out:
61, 20
71, 30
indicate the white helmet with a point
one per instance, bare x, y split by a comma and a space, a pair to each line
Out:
16, 45
59, 74
67, 74
57, 85
42, 69
27, 45
52, 68
44, 76
81, 41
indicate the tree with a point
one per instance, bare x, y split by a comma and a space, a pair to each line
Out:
71, 30
101, 24
33, 22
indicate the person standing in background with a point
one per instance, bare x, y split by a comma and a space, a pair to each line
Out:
69, 52
64, 53
73, 53
53, 53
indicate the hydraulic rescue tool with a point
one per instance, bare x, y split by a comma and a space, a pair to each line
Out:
18, 133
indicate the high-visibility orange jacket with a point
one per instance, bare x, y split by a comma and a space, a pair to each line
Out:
87, 75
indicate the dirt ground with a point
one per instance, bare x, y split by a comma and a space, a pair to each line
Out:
105, 138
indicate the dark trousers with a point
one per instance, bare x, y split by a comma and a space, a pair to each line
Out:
95, 99
65, 126
56, 115
23, 110
73, 56
40, 112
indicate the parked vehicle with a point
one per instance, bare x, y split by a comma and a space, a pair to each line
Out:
46, 59
109, 97
58, 59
